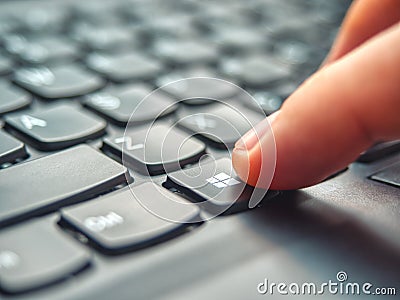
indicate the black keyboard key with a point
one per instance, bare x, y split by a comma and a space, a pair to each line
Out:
240, 39
132, 219
92, 13
293, 52
8, 24
11, 149
124, 66
266, 102
45, 19
297, 26
103, 38
130, 104
285, 89
217, 16
217, 187
5, 64
45, 184
41, 50
155, 150
186, 52
379, 151
35, 254
390, 175
14, 43
165, 26
256, 71
221, 125
12, 98
58, 127
58, 81
197, 91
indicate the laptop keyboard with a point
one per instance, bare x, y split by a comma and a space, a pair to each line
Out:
71, 75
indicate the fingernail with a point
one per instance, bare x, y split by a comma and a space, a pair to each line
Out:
251, 138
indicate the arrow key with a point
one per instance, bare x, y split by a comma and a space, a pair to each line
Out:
57, 127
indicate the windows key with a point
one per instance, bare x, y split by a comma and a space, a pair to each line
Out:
217, 188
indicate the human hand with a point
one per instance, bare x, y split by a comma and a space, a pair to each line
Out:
352, 102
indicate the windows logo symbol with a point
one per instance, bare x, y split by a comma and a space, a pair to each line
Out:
222, 180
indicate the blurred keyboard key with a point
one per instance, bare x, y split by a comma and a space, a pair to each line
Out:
266, 102
165, 26
132, 219
56, 180
186, 52
155, 150
41, 50
57, 127
44, 19
14, 43
240, 39
5, 64
285, 89
379, 151
58, 82
12, 98
10, 148
98, 15
197, 86
8, 24
135, 103
256, 71
124, 66
216, 186
35, 254
221, 125
103, 38
390, 175
293, 52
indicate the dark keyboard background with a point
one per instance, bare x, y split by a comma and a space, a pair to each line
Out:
349, 222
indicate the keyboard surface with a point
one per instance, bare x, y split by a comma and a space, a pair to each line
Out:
115, 174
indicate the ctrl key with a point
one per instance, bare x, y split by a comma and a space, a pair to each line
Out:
35, 254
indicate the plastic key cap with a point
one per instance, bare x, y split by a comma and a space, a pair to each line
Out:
256, 71
216, 186
5, 64
195, 89
132, 219
124, 67
186, 52
220, 126
52, 181
155, 150
12, 98
35, 254
130, 104
390, 175
10, 148
57, 127
58, 81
